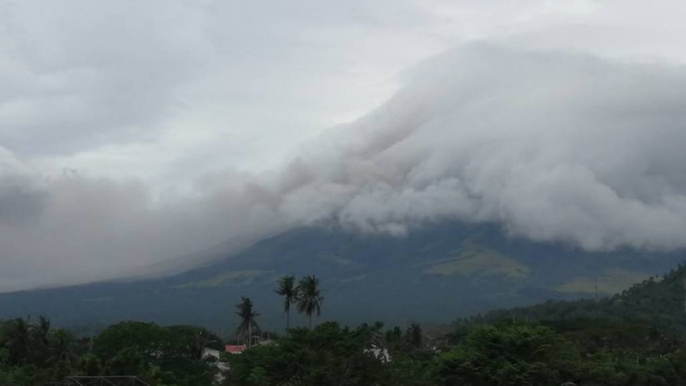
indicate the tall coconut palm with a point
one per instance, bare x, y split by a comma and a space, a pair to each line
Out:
289, 292
309, 296
61, 346
247, 315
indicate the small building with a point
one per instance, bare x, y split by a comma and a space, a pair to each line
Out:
235, 349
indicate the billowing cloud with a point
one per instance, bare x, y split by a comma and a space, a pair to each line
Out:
134, 134
555, 147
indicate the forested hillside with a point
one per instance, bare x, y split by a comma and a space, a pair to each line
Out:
34, 353
660, 301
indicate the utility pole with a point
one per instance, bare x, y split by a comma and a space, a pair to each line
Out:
684, 295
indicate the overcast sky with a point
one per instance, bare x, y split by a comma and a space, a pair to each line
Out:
135, 132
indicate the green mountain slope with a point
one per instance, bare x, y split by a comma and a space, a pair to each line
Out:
658, 300
436, 273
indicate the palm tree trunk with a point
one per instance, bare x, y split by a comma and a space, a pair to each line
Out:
310, 321
288, 321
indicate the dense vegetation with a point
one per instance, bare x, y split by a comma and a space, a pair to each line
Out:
36, 354
584, 352
659, 301
630, 339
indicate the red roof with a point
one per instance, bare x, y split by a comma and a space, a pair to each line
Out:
231, 349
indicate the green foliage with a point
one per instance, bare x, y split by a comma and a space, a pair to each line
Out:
585, 352
414, 336
593, 352
631, 339
659, 301
326, 355
309, 297
143, 339
172, 355
36, 354
290, 293
89, 365
247, 314
508, 355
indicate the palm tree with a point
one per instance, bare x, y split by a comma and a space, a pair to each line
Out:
61, 346
248, 315
289, 291
309, 299
18, 340
414, 336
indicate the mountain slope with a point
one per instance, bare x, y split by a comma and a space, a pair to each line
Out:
439, 272
659, 301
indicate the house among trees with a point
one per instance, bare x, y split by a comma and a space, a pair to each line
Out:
235, 349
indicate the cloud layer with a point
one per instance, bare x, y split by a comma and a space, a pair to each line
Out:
554, 146
135, 133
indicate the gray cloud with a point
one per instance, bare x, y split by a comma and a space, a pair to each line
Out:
21, 195
556, 147
553, 146
81, 75
132, 133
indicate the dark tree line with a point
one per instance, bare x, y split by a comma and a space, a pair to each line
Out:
631, 339
36, 354
585, 352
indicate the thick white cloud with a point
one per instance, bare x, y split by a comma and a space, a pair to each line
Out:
555, 147
134, 133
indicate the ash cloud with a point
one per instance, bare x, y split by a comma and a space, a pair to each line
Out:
553, 146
